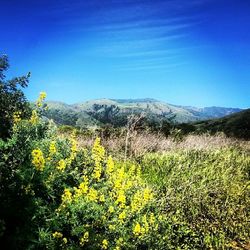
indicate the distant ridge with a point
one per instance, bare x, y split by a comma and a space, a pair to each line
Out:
139, 100
116, 111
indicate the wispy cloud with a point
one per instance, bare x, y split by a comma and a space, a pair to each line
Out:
143, 67
128, 29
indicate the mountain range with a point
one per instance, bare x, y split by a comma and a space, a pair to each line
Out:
115, 111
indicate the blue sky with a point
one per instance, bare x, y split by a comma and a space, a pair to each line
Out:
194, 52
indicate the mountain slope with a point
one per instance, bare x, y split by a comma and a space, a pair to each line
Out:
116, 111
236, 125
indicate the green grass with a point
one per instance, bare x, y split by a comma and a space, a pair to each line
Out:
208, 190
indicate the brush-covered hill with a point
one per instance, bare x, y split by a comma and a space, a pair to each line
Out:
234, 125
115, 112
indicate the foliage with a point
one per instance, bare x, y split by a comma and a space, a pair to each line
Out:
17, 177
13, 104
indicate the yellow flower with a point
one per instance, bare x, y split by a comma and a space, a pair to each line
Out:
111, 209
97, 171
42, 95
40, 99
84, 185
38, 159
104, 244
61, 165
34, 117
17, 117
122, 215
141, 199
145, 223
110, 165
121, 198
65, 240
151, 219
147, 195
129, 184
67, 196
84, 239
102, 198
117, 184
92, 195
98, 153
98, 150
57, 235
28, 190
137, 229
52, 148
135, 203
73, 146
121, 174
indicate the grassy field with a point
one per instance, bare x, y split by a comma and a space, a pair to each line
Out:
206, 189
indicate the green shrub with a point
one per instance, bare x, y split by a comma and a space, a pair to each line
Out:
13, 104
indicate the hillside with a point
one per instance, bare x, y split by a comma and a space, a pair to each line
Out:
116, 111
234, 125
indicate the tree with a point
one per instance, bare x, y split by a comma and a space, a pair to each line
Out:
12, 98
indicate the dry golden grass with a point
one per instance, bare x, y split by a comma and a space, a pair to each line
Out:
145, 142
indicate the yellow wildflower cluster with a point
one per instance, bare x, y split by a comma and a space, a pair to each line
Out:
38, 159
110, 165
34, 117
140, 199
121, 198
82, 189
61, 165
17, 117
147, 223
122, 216
84, 185
73, 149
105, 244
40, 99
119, 182
122, 191
57, 235
92, 194
67, 196
98, 153
102, 198
111, 209
84, 239
137, 229
52, 148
